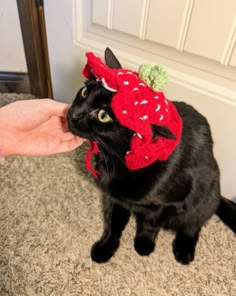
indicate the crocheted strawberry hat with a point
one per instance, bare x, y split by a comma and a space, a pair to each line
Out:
138, 103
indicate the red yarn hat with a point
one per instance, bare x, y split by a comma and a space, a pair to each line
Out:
137, 107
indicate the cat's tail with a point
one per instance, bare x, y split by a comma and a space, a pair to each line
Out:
227, 213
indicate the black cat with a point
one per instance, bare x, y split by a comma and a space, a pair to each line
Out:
179, 194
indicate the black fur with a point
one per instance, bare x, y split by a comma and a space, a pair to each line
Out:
180, 194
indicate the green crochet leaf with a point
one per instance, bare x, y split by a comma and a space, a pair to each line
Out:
155, 76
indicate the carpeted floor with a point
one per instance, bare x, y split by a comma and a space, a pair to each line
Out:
50, 216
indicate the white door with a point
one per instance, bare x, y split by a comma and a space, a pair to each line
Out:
194, 39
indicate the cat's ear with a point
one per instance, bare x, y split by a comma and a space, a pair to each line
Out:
111, 60
161, 130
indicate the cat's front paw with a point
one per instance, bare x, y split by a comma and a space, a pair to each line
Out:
143, 245
183, 254
101, 252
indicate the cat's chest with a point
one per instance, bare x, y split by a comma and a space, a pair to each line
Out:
145, 190
125, 187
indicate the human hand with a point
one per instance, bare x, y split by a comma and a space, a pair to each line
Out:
35, 127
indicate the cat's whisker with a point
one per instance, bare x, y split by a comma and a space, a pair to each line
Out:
104, 156
113, 164
109, 149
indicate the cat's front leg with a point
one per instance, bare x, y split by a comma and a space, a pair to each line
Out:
116, 218
147, 230
184, 245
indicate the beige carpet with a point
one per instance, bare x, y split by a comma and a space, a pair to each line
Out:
50, 216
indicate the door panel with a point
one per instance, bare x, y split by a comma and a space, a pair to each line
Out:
210, 28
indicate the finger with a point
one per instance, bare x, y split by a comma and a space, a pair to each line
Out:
67, 136
70, 145
56, 108
64, 124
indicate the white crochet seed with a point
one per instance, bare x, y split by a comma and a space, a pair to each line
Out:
126, 82
144, 102
158, 108
124, 112
161, 117
156, 97
138, 135
167, 110
120, 73
146, 157
129, 72
142, 84
128, 152
135, 89
106, 86
144, 117
136, 103
166, 102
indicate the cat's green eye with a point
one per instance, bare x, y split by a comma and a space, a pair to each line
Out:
84, 92
103, 116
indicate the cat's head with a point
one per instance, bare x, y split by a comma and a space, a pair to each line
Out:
121, 113
91, 115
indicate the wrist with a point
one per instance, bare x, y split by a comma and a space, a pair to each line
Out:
7, 142
7, 135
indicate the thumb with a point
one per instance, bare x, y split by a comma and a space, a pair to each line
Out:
56, 108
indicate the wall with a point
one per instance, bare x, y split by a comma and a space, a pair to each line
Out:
12, 57
186, 36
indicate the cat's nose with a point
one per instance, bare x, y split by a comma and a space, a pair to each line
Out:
75, 114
